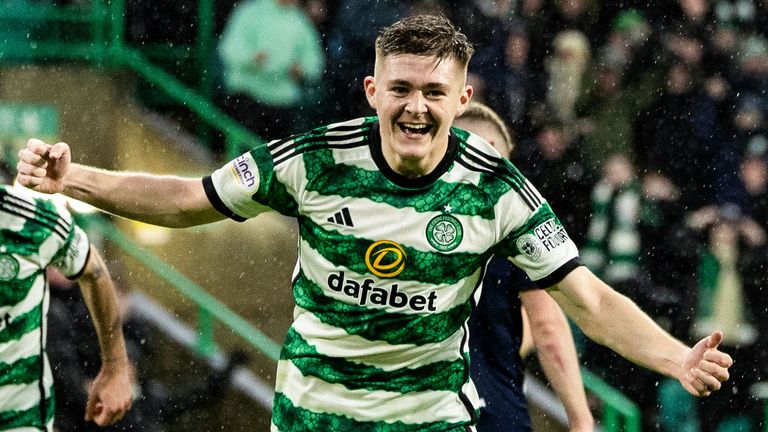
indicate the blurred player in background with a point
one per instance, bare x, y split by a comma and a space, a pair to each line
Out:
511, 315
397, 215
35, 234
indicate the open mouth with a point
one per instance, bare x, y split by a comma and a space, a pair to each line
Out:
415, 128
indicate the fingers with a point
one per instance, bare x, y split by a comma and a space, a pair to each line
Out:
38, 147
33, 163
719, 358
715, 370
102, 415
58, 150
714, 339
704, 382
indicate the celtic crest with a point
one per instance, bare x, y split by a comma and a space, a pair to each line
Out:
444, 232
9, 267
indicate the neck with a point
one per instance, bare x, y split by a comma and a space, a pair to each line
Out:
415, 167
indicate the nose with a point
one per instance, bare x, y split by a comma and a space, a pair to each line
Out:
417, 104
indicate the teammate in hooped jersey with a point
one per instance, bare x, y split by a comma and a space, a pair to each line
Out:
36, 234
442, 199
513, 311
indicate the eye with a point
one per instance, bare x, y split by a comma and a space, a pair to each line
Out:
399, 90
435, 94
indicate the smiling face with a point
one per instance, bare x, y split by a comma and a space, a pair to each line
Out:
416, 98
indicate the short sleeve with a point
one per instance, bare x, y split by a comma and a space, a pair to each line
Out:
541, 247
74, 254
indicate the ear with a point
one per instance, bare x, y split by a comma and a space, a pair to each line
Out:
466, 96
369, 83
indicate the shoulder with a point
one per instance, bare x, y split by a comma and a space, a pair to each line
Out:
336, 137
36, 212
476, 154
19, 197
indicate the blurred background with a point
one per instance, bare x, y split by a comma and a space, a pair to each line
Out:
642, 122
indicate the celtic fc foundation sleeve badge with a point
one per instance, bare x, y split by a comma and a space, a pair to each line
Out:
9, 267
444, 232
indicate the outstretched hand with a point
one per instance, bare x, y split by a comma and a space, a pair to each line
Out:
705, 367
42, 167
109, 396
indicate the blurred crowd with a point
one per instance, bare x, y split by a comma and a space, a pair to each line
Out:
643, 123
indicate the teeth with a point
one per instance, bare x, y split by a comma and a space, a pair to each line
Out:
415, 125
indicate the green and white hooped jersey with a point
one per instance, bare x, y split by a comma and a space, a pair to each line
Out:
388, 272
34, 233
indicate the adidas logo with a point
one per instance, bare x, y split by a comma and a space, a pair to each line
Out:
342, 218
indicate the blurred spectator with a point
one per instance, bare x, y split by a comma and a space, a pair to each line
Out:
321, 13
350, 58
674, 142
737, 255
272, 55
740, 14
614, 250
607, 112
516, 88
754, 176
566, 69
747, 136
753, 70
559, 16
481, 21
692, 17
721, 58
633, 46
613, 240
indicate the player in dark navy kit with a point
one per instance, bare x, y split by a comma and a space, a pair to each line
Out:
503, 331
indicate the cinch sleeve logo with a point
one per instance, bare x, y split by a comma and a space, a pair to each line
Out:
246, 173
385, 258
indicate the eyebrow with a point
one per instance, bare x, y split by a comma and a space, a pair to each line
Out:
429, 85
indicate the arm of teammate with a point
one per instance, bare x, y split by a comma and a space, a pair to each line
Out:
613, 320
160, 200
109, 396
557, 354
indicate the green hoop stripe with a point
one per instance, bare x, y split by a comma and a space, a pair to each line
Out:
433, 268
377, 324
24, 371
444, 375
290, 418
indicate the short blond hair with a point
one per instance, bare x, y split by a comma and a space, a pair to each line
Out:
477, 111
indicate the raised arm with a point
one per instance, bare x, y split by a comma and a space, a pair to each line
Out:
161, 200
109, 397
613, 320
557, 354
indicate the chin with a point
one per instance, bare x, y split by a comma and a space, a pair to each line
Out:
412, 150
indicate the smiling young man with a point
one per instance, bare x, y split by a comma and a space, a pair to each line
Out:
397, 216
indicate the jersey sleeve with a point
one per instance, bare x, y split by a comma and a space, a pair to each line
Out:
73, 255
244, 186
537, 241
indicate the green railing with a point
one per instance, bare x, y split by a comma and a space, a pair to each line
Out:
209, 309
619, 412
96, 34
103, 24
